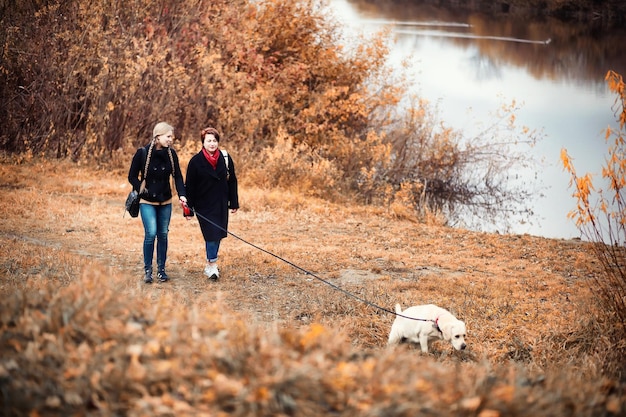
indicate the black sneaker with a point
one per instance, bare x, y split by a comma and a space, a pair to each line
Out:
162, 276
148, 278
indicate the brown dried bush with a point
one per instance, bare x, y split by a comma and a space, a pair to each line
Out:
80, 334
88, 80
600, 215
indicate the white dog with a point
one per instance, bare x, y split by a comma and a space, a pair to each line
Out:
428, 322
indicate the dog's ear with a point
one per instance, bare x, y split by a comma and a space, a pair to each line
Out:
446, 331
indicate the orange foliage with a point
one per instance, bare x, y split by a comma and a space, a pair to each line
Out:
297, 106
250, 69
600, 214
610, 202
80, 334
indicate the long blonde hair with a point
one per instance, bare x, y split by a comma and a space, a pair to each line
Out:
169, 153
160, 128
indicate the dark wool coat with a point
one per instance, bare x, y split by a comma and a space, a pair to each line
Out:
160, 168
211, 194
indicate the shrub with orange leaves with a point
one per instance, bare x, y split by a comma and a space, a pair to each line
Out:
600, 215
81, 334
88, 80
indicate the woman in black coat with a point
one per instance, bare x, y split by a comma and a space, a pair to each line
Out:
149, 174
211, 185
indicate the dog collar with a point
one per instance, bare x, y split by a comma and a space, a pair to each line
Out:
437, 325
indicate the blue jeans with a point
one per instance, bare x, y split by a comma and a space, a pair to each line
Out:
156, 223
212, 247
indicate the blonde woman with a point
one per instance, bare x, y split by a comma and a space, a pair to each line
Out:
157, 161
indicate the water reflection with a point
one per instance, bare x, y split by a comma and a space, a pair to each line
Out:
577, 51
443, 34
469, 64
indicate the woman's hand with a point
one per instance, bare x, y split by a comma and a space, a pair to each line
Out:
187, 213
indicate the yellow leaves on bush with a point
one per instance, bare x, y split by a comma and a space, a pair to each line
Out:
261, 394
505, 393
600, 215
295, 167
584, 185
78, 358
227, 386
312, 336
616, 84
403, 205
489, 413
345, 376
470, 404
566, 160
423, 385
614, 404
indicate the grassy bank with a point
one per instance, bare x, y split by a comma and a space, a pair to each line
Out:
81, 334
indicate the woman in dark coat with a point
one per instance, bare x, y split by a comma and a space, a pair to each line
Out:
157, 161
211, 185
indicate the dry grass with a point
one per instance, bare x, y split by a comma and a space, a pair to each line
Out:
81, 334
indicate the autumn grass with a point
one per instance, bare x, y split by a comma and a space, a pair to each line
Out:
81, 334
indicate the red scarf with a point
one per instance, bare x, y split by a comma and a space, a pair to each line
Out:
211, 158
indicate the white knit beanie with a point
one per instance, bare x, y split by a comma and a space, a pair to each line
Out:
161, 128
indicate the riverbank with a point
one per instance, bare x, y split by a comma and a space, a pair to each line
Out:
81, 331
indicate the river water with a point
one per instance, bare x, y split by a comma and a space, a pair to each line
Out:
470, 65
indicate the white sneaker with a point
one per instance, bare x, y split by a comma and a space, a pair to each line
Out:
211, 272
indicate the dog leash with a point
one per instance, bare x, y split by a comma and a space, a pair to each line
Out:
306, 272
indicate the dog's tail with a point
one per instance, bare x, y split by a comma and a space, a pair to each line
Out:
398, 309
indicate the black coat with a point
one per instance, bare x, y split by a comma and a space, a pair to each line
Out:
160, 168
211, 194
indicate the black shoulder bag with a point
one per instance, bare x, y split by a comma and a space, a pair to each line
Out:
132, 201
